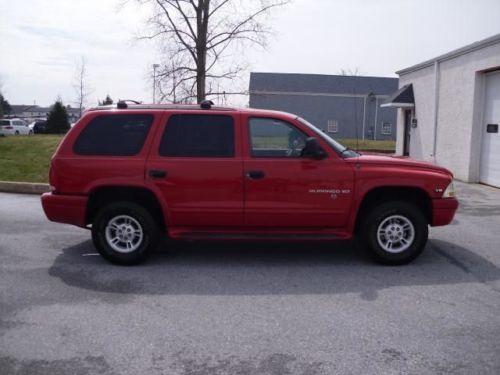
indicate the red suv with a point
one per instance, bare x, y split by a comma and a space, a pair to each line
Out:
133, 173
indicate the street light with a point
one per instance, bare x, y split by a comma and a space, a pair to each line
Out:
155, 66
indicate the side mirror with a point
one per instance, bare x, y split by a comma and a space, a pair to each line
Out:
313, 150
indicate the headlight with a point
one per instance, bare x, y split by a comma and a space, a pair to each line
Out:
450, 191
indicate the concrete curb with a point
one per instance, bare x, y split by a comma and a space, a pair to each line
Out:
23, 187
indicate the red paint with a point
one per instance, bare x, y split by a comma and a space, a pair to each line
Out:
300, 196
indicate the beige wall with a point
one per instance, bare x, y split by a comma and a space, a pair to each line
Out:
459, 111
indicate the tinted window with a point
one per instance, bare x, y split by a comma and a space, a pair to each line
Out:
121, 135
198, 135
4, 122
275, 138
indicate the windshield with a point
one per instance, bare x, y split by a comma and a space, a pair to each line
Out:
343, 151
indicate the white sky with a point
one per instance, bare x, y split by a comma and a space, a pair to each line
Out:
41, 41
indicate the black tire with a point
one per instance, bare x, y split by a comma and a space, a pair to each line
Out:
140, 219
406, 246
16, 132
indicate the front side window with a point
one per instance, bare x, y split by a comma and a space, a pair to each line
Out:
115, 135
275, 138
192, 135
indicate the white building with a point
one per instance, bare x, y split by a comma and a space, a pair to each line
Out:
450, 111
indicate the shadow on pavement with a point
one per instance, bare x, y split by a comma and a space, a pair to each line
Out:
268, 269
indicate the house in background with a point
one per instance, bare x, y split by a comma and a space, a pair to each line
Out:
29, 112
450, 111
342, 106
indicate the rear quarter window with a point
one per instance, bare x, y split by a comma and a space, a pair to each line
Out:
116, 135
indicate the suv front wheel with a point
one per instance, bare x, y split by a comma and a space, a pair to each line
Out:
395, 232
124, 233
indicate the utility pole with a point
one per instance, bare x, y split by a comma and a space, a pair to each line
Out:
155, 66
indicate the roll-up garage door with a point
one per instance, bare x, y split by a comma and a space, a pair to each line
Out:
490, 153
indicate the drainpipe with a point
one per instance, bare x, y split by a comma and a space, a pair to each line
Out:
376, 115
436, 108
364, 117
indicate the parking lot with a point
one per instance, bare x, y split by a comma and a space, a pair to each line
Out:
254, 308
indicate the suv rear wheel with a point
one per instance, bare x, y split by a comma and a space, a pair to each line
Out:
124, 233
395, 232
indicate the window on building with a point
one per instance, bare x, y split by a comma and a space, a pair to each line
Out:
333, 126
119, 135
275, 138
386, 128
198, 136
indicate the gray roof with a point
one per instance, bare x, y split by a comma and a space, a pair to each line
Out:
495, 39
319, 83
19, 108
403, 95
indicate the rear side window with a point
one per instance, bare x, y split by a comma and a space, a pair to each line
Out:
4, 122
119, 135
198, 136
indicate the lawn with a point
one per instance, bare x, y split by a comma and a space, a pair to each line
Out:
366, 145
27, 158
386, 146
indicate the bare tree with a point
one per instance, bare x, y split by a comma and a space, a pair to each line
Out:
197, 37
350, 72
80, 84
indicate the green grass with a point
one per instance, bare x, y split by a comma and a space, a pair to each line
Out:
351, 143
369, 144
27, 158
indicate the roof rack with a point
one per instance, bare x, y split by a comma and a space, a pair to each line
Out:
206, 104
124, 104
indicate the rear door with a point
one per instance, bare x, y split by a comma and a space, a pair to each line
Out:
284, 189
196, 164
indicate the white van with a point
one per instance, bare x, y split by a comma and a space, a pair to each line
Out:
14, 126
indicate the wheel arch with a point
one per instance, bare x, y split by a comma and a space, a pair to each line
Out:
377, 195
139, 195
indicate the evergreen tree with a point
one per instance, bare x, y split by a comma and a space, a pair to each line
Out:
4, 106
58, 122
106, 101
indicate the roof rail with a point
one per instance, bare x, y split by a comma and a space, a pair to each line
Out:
122, 104
206, 104
125, 104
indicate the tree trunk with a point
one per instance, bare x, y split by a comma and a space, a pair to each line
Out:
202, 15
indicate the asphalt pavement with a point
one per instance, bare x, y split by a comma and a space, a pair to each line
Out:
252, 308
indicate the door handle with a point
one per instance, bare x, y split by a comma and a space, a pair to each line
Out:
157, 173
255, 175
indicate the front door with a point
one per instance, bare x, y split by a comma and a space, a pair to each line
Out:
406, 135
196, 164
284, 189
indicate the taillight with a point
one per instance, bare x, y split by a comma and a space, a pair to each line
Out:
8, 127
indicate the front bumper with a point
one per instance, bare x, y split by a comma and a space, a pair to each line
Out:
443, 211
68, 209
